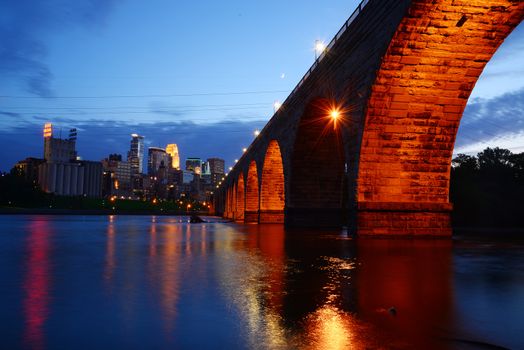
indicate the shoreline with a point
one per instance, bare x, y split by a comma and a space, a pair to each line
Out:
52, 211
458, 232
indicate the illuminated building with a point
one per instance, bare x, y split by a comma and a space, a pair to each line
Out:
157, 157
117, 175
216, 169
28, 168
172, 150
62, 174
205, 169
57, 149
135, 156
194, 165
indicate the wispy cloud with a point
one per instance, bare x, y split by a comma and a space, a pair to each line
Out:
11, 114
24, 27
497, 120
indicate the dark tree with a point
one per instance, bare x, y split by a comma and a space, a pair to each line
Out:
487, 190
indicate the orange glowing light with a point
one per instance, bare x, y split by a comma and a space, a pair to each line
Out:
154, 201
48, 130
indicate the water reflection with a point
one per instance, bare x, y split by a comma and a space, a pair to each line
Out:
110, 250
405, 288
169, 284
252, 275
37, 283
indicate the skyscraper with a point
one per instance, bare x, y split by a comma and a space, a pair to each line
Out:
194, 165
216, 168
157, 157
216, 165
172, 150
135, 156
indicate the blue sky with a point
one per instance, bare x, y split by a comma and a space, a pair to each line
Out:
202, 74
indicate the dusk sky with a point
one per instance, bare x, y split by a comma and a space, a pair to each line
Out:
202, 74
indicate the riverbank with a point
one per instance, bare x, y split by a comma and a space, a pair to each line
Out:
54, 211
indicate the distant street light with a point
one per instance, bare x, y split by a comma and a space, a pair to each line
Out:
257, 132
277, 105
320, 47
244, 150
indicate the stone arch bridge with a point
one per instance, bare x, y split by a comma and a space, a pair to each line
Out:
366, 138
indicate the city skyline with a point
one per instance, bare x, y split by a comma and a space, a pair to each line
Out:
93, 78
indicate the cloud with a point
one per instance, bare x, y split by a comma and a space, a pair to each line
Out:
24, 27
11, 114
97, 139
487, 121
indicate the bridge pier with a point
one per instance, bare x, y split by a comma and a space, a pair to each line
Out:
404, 218
271, 217
315, 217
251, 216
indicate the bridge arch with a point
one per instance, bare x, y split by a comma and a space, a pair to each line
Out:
240, 198
421, 89
227, 212
316, 189
272, 189
252, 194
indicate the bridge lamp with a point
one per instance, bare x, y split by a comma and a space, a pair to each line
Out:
256, 133
335, 115
230, 168
277, 105
320, 47
244, 150
236, 160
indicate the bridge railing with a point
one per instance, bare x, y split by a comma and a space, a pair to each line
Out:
337, 37
341, 31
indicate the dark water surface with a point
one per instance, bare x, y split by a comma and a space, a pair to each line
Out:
98, 282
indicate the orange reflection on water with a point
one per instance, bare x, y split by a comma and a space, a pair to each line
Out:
37, 283
169, 277
152, 240
329, 328
405, 288
109, 266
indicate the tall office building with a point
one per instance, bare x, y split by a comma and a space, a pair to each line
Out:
172, 150
157, 157
194, 165
216, 165
118, 174
135, 156
216, 168
205, 168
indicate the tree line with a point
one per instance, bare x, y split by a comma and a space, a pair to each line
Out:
487, 190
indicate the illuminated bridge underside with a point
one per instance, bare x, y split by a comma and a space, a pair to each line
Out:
401, 73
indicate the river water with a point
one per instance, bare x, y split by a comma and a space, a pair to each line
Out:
146, 282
